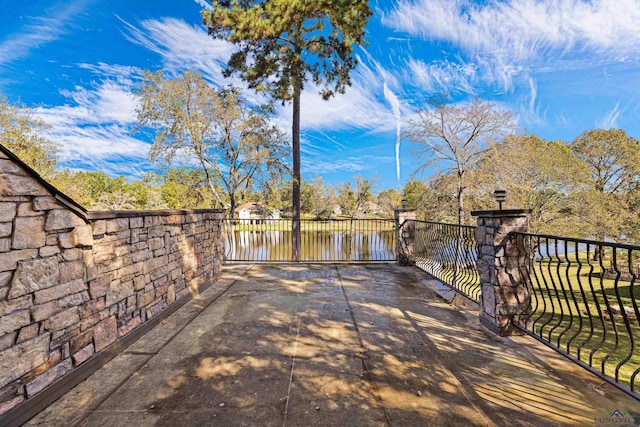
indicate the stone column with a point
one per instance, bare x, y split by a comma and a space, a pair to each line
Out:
502, 266
405, 236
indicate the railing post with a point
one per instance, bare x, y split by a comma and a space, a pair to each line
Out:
405, 235
506, 295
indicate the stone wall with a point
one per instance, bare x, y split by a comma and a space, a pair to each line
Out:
405, 235
502, 262
72, 282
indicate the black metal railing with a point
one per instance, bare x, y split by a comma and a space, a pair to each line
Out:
449, 253
584, 303
335, 240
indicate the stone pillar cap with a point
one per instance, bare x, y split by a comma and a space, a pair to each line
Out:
502, 213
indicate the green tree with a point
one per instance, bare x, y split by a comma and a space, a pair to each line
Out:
282, 43
537, 174
440, 202
458, 136
613, 160
353, 201
232, 143
146, 192
413, 193
23, 134
273, 193
307, 197
321, 198
118, 200
96, 190
433, 201
388, 201
186, 188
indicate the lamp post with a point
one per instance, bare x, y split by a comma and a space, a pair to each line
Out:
500, 196
404, 203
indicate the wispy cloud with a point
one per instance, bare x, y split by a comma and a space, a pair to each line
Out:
182, 47
610, 120
503, 41
350, 165
203, 3
442, 76
39, 31
124, 74
529, 107
522, 29
363, 106
95, 127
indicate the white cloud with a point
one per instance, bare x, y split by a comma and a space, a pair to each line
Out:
40, 31
123, 74
442, 76
522, 29
350, 165
506, 41
183, 47
108, 103
610, 120
205, 4
529, 107
94, 128
363, 105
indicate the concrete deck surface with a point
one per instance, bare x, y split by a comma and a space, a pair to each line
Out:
332, 345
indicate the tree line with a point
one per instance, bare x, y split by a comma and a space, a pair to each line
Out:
588, 187
215, 149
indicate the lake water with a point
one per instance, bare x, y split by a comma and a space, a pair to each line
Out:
317, 246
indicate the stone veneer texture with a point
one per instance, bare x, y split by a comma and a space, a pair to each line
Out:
72, 283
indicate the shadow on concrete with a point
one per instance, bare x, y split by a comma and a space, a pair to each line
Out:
325, 345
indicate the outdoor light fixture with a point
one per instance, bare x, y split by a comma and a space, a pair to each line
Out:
500, 196
404, 203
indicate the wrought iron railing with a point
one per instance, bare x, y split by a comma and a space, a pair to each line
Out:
449, 253
335, 240
584, 303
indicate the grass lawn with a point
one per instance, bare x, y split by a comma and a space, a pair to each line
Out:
578, 310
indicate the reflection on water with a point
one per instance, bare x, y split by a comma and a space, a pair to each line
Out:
316, 246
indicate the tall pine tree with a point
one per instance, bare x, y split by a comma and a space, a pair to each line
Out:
282, 44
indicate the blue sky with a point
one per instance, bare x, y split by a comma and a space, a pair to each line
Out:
562, 66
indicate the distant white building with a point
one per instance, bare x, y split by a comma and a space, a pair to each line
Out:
254, 212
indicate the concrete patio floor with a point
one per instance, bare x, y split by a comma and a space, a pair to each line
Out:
332, 345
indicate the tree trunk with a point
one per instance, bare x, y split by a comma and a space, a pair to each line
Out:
210, 182
458, 261
232, 208
460, 199
295, 224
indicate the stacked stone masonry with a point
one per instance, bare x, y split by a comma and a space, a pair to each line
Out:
405, 236
72, 283
502, 266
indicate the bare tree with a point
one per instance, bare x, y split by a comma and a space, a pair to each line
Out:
458, 135
232, 143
